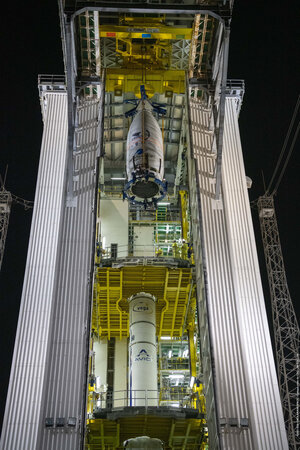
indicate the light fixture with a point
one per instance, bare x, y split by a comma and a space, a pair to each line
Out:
165, 338
170, 354
118, 178
163, 203
174, 375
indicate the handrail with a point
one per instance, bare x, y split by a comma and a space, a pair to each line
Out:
164, 250
171, 398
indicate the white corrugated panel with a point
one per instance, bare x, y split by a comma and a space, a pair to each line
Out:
262, 385
65, 392
49, 367
199, 132
245, 379
29, 367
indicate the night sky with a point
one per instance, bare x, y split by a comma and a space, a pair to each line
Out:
263, 51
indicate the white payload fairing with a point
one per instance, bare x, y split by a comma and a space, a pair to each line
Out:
145, 156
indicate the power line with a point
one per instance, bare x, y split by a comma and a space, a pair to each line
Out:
22, 201
287, 138
287, 159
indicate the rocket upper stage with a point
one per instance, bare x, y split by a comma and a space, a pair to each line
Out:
145, 159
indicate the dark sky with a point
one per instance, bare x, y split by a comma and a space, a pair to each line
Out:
263, 51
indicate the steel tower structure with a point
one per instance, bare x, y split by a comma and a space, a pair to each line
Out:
286, 328
5, 206
96, 263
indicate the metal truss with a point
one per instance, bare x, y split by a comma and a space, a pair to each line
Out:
286, 328
180, 54
5, 207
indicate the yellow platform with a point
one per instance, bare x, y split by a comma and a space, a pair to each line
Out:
113, 286
177, 434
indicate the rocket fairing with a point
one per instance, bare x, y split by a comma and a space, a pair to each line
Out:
145, 158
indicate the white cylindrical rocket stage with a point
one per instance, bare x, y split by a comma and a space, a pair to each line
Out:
145, 158
142, 351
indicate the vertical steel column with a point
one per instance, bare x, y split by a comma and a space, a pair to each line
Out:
71, 108
220, 131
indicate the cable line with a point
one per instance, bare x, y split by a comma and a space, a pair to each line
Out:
284, 149
22, 201
287, 159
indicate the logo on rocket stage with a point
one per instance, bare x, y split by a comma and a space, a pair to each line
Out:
142, 307
143, 355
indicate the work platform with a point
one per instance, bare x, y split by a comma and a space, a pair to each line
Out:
178, 429
113, 286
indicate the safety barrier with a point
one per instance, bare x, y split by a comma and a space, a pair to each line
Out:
148, 398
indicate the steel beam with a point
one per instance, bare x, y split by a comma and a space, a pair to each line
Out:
220, 129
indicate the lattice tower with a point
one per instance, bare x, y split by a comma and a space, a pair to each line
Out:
286, 328
5, 206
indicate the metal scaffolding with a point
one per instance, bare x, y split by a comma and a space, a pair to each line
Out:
5, 206
286, 328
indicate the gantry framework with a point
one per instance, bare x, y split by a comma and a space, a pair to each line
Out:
5, 207
117, 48
200, 47
286, 328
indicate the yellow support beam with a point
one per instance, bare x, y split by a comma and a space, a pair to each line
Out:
191, 332
108, 304
184, 214
186, 436
166, 305
145, 32
176, 303
102, 435
160, 81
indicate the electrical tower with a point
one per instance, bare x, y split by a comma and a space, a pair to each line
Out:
6, 199
5, 207
286, 328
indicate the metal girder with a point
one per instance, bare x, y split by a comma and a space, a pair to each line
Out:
285, 324
219, 10
5, 206
163, 32
220, 129
70, 79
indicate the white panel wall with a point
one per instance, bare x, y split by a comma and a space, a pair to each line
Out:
100, 349
65, 394
245, 379
262, 386
49, 373
143, 241
29, 366
120, 372
114, 224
